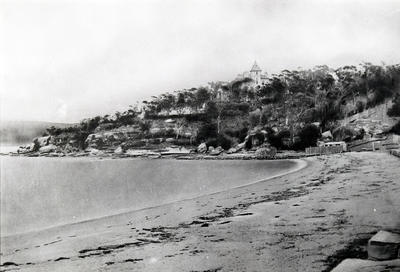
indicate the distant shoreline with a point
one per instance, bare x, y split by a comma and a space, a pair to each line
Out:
151, 154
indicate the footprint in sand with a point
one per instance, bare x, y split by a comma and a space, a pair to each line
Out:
61, 258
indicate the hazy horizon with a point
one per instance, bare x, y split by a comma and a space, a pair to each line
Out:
67, 60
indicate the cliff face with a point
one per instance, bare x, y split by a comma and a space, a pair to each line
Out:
109, 139
373, 120
161, 132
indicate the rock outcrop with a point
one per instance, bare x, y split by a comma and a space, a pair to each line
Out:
216, 151
48, 148
202, 148
373, 121
112, 138
38, 144
42, 141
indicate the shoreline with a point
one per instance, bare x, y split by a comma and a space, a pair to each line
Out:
296, 221
247, 155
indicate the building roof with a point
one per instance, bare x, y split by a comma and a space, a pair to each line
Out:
255, 67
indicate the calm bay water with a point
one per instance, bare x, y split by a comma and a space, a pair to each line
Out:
37, 193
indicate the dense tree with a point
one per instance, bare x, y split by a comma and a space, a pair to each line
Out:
308, 136
180, 101
395, 109
202, 96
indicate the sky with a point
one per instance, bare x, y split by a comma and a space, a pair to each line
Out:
62, 61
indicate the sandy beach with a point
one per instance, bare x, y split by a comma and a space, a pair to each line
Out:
302, 221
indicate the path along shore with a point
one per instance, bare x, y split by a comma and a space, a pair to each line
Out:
304, 221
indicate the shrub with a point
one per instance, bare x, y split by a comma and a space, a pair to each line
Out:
224, 142
360, 106
344, 133
206, 131
221, 141
308, 136
144, 126
265, 152
211, 110
395, 109
182, 141
254, 118
167, 133
155, 141
272, 138
80, 138
396, 128
90, 124
360, 134
197, 117
239, 134
235, 109
277, 139
248, 144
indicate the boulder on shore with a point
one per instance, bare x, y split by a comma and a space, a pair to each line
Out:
202, 148
119, 150
95, 152
42, 141
216, 151
327, 135
232, 150
240, 146
48, 149
95, 141
27, 148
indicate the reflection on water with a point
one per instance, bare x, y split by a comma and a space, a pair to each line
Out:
41, 192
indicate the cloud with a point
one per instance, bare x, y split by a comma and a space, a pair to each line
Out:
62, 110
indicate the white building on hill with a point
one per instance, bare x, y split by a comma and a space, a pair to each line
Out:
255, 74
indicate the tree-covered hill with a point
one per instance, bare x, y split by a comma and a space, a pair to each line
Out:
289, 109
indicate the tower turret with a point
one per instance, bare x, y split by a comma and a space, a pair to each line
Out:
255, 73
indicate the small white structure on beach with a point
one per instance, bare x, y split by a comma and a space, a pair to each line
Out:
341, 143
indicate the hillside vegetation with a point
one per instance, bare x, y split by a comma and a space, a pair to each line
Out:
289, 111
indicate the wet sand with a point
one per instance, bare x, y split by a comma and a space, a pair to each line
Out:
304, 221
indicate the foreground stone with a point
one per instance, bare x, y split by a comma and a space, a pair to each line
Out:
358, 265
384, 245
